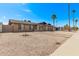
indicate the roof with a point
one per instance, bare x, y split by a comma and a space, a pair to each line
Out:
27, 22
19, 21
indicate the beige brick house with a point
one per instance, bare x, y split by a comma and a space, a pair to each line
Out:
21, 26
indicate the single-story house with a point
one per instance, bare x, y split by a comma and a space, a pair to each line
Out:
22, 26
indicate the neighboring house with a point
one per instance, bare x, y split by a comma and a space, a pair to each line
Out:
22, 26
1, 27
19, 26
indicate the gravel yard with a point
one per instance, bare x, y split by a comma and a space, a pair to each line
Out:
34, 44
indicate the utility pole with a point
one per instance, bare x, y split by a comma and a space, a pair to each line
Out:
69, 15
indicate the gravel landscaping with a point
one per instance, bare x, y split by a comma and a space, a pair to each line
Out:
33, 44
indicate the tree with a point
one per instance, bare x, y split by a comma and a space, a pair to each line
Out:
49, 24
54, 18
66, 27
73, 11
44, 23
29, 21
69, 15
25, 21
76, 21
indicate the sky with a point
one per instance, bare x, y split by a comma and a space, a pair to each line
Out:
38, 12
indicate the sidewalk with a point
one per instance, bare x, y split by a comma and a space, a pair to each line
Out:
69, 48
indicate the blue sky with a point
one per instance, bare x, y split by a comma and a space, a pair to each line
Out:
38, 12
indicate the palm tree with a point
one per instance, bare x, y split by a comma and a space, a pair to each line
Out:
69, 15
75, 27
76, 21
73, 11
66, 27
54, 18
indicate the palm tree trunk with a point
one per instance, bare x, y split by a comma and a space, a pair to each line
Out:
54, 24
73, 22
75, 25
69, 15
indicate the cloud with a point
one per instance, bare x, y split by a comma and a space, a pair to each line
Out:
27, 10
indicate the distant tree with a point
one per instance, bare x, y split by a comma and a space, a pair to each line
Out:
76, 21
68, 16
73, 11
24, 20
49, 24
44, 23
66, 27
29, 21
54, 19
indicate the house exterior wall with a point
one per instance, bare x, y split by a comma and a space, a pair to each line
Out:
21, 27
46, 28
34, 27
31, 28
7, 28
0, 27
15, 27
51, 28
27, 27
38, 27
